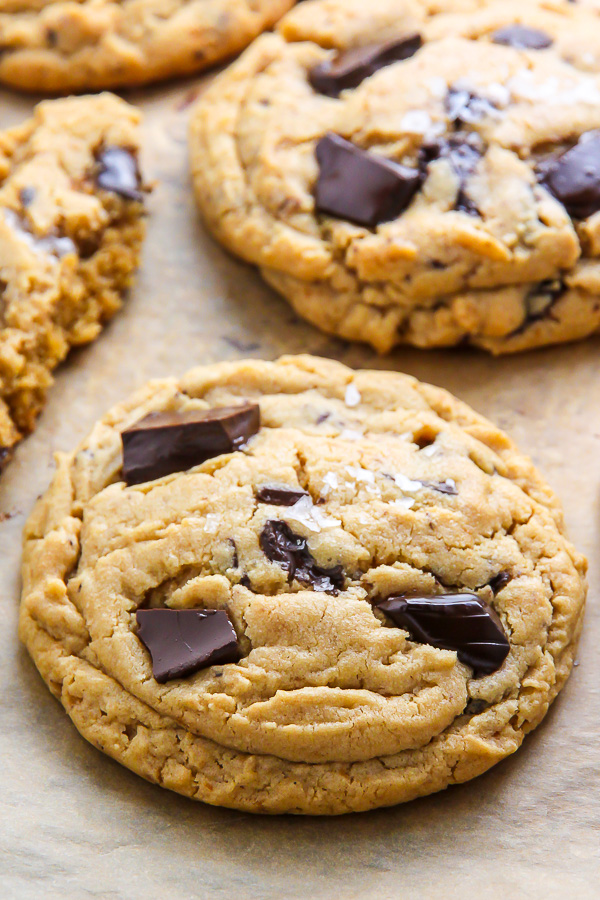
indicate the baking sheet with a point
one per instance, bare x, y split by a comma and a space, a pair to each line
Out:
75, 824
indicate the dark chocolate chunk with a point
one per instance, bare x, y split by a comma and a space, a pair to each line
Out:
118, 172
279, 496
500, 581
162, 443
359, 186
290, 551
350, 67
521, 37
463, 151
574, 177
461, 622
539, 302
466, 108
181, 641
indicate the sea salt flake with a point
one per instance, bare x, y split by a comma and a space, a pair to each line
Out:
309, 515
403, 503
330, 483
416, 121
430, 450
352, 397
211, 523
406, 484
350, 434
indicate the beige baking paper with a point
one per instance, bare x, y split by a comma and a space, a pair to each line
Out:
75, 825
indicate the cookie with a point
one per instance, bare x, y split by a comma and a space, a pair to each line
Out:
292, 587
63, 47
71, 228
420, 178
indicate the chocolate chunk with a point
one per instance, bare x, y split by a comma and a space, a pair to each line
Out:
574, 177
167, 442
539, 302
359, 186
279, 496
466, 108
461, 622
500, 581
290, 551
181, 641
350, 67
118, 172
521, 37
463, 151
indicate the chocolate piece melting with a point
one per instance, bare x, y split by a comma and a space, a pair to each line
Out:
349, 68
290, 551
118, 172
181, 641
574, 177
359, 186
521, 37
279, 496
162, 443
500, 581
463, 150
461, 622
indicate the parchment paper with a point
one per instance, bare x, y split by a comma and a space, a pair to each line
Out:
75, 824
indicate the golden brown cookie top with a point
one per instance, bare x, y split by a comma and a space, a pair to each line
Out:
354, 488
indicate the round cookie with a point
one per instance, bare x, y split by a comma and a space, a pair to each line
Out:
433, 196
61, 47
71, 229
277, 628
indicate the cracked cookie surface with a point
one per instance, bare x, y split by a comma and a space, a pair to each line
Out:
389, 487
55, 46
71, 228
483, 251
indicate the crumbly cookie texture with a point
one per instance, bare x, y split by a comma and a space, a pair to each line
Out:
59, 47
331, 708
484, 252
71, 228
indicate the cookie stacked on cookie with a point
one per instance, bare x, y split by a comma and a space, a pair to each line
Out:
291, 587
427, 176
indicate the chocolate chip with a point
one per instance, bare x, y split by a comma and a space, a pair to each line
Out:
521, 37
27, 196
279, 496
461, 622
350, 67
500, 581
359, 186
466, 108
290, 551
162, 443
181, 641
118, 172
574, 177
